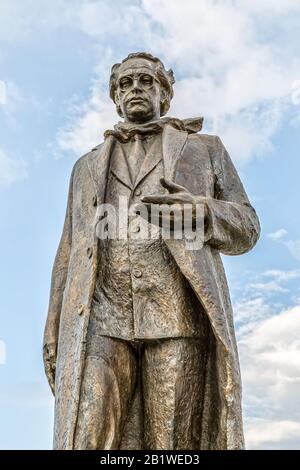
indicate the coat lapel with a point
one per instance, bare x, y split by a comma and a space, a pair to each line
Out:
98, 163
173, 142
152, 158
119, 166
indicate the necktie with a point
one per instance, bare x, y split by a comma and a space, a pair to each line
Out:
136, 156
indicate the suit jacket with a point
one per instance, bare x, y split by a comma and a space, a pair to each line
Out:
140, 292
203, 166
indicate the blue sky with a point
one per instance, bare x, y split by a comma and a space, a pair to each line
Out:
238, 65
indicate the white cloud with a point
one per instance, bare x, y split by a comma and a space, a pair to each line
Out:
14, 102
2, 92
294, 248
259, 297
278, 277
25, 20
229, 67
292, 245
11, 169
270, 362
277, 235
122, 19
282, 276
87, 124
227, 71
296, 92
272, 434
21, 20
271, 6
271, 286
88, 120
248, 312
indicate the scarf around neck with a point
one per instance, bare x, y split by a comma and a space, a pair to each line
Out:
124, 131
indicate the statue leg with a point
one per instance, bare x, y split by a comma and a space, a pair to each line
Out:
173, 374
106, 393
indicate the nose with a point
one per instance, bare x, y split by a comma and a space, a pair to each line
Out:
136, 84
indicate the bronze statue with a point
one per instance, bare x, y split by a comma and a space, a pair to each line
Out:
139, 344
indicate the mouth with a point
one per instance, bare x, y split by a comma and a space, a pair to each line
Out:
136, 101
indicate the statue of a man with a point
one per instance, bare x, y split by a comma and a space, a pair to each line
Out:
139, 344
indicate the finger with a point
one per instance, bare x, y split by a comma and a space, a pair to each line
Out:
171, 186
168, 199
144, 199
162, 199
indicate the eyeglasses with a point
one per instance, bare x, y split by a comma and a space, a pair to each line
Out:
142, 80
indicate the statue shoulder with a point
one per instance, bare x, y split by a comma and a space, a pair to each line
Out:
82, 162
214, 145
215, 150
212, 142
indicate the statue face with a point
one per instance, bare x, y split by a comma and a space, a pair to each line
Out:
138, 91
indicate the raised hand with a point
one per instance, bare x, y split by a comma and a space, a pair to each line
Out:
178, 195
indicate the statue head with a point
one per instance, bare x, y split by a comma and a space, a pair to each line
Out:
141, 87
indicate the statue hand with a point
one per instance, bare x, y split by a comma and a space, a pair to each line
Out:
178, 195
49, 355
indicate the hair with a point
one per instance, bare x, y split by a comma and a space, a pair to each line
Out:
165, 77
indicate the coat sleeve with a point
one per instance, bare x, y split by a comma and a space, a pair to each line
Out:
233, 226
59, 273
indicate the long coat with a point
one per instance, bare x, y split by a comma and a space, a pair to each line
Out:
201, 164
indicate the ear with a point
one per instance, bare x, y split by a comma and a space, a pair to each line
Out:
116, 98
163, 94
164, 105
117, 103
164, 102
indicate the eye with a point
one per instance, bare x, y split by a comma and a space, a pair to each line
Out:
146, 80
125, 83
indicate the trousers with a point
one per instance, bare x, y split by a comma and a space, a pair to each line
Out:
171, 373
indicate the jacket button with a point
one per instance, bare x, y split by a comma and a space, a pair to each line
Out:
89, 252
80, 309
137, 273
136, 229
138, 192
94, 200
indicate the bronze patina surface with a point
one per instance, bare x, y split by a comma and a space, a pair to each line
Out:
139, 343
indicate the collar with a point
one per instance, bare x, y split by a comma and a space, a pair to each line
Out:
124, 131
